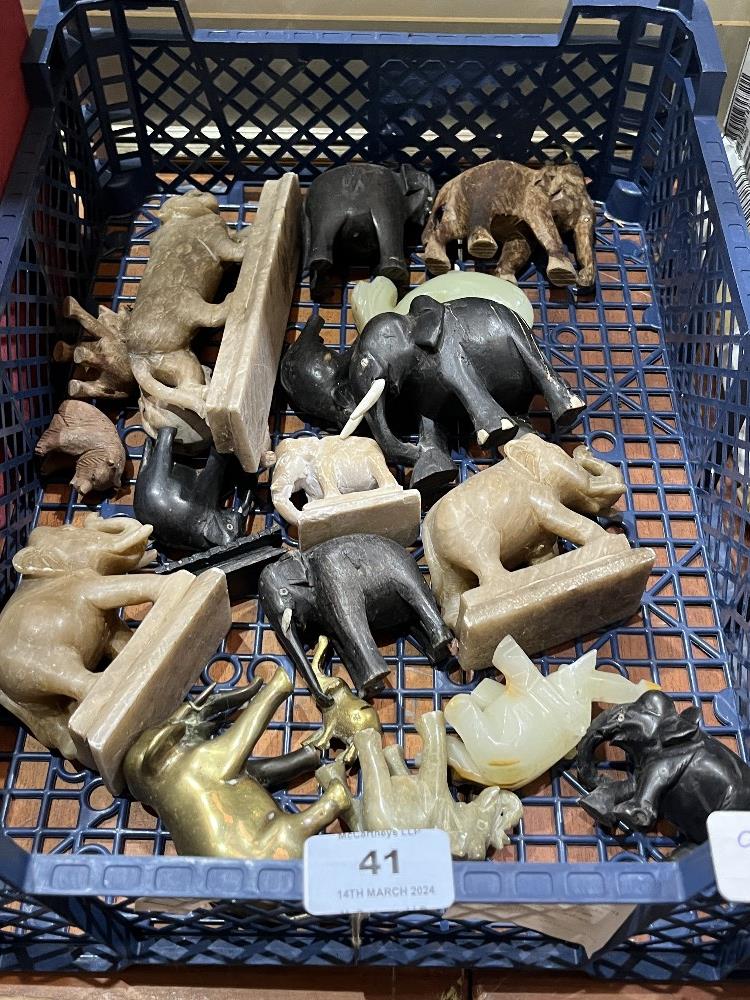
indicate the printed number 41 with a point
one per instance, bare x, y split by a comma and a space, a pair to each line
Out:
369, 862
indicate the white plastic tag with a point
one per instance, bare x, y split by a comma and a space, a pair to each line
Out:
729, 839
392, 870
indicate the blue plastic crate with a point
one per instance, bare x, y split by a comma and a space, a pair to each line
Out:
122, 116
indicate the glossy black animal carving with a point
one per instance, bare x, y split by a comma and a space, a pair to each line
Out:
680, 773
357, 213
469, 357
348, 588
182, 502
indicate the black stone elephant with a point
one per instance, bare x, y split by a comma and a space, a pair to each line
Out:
440, 363
349, 588
679, 772
357, 213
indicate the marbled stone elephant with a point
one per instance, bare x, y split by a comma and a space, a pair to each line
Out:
326, 467
63, 618
508, 203
512, 513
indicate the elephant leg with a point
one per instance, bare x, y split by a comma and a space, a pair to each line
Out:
109, 593
652, 781
514, 256
564, 405
536, 212
430, 627
391, 263
492, 424
316, 817
583, 236
606, 797
327, 478
381, 474
434, 469
323, 231
231, 251
436, 258
209, 482
567, 524
195, 312
67, 673
378, 805
346, 622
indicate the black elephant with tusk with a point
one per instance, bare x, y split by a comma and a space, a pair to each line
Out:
349, 588
679, 772
437, 365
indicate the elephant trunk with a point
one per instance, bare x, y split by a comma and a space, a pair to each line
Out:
313, 376
601, 730
605, 479
290, 638
394, 449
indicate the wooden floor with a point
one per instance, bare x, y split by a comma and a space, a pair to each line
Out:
362, 983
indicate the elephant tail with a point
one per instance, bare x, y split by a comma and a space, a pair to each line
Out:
431, 556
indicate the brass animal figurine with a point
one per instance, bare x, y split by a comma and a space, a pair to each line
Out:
81, 431
345, 716
62, 619
349, 490
507, 203
188, 256
490, 547
395, 798
201, 790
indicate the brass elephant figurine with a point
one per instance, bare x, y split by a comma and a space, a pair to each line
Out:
201, 790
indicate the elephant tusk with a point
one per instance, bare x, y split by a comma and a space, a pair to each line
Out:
286, 620
367, 402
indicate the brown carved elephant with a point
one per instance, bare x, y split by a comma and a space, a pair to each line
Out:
508, 203
512, 513
81, 431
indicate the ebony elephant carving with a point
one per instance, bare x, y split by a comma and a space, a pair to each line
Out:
349, 588
357, 213
679, 772
183, 503
443, 362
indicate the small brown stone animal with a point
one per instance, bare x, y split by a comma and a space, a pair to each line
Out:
508, 203
80, 430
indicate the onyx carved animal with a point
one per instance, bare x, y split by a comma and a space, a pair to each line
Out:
516, 206
679, 772
357, 213
184, 503
349, 588
469, 357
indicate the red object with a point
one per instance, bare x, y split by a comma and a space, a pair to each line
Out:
14, 107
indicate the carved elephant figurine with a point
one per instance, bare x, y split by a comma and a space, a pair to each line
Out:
469, 357
517, 509
508, 203
188, 257
326, 467
63, 619
395, 798
358, 213
202, 791
679, 772
347, 588
183, 503
81, 431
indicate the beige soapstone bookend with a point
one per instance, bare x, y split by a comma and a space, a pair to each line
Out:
509, 734
62, 623
349, 490
490, 545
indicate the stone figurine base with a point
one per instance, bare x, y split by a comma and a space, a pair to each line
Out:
239, 399
388, 513
554, 601
150, 677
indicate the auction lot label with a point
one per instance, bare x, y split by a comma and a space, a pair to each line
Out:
387, 871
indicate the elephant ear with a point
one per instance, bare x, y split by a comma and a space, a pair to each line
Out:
411, 178
678, 728
33, 562
429, 316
